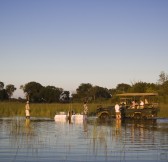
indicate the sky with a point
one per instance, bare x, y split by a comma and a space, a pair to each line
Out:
64, 43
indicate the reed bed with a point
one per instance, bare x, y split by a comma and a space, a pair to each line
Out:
42, 110
49, 110
163, 111
11, 109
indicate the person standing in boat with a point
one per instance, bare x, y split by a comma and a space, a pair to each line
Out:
85, 108
27, 110
117, 111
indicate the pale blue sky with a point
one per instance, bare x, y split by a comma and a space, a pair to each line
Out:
68, 42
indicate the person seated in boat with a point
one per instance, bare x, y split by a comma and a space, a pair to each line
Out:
146, 102
133, 105
141, 105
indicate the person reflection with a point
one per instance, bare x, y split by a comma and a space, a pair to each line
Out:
85, 127
118, 126
27, 127
27, 123
117, 110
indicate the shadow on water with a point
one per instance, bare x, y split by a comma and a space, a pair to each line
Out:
43, 139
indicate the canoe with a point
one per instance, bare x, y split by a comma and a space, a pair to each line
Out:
77, 118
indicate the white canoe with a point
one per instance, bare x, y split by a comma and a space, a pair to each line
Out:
77, 118
60, 118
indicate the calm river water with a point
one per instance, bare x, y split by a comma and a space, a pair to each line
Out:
41, 139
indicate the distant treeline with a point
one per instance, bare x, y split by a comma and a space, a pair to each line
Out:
37, 93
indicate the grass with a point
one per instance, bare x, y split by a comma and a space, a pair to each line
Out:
41, 110
163, 111
8, 109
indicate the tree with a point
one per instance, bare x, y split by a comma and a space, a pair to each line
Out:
1, 85
123, 88
163, 91
152, 88
65, 97
10, 88
93, 92
99, 92
87, 92
139, 87
143, 87
50, 94
112, 91
163, 77
3, 93
32, 91
83, 91
35, 92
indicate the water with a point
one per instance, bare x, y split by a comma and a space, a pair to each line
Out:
41, 139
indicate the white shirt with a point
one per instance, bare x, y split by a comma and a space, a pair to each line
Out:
117, 108
27, 107
141, 103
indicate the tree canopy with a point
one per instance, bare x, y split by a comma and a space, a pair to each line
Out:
35, 92
6, 93
10, 88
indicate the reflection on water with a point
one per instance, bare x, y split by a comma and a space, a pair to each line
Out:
39, 139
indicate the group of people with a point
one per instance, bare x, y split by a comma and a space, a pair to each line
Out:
133, 105
140, 105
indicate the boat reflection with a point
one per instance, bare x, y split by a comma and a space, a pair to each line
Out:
140, 131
